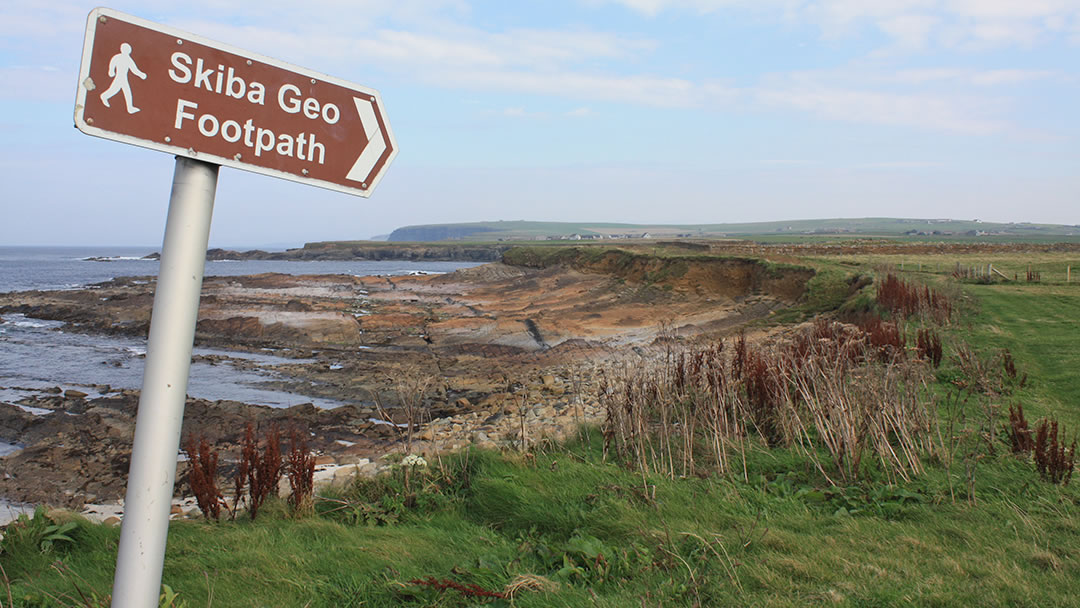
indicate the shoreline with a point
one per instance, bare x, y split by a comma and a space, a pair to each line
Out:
473, 357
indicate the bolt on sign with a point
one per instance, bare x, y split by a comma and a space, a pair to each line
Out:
153, 86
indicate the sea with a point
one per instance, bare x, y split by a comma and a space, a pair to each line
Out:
27, 268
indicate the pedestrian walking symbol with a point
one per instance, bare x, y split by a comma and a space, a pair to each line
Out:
119, 67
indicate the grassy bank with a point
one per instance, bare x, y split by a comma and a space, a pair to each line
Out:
565, 526
598, 538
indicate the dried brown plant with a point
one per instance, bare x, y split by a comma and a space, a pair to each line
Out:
1055, 463
906, 299
412, 385
928, 345
301, 472
1021, 440
263, 467
823, 388
202, 475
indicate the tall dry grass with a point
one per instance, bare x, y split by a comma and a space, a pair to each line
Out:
834, 391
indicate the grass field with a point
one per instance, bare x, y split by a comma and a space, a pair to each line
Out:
1039, 324
562, 526
1053, 267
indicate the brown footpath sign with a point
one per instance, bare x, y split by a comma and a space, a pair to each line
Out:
153, 86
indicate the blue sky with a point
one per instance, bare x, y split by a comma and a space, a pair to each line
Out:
650, 111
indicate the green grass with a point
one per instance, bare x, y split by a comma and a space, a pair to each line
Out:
1040, 325
769, 542
604, 536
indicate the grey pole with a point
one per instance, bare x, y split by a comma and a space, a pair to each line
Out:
145, 528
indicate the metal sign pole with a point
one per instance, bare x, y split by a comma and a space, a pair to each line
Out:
161, 405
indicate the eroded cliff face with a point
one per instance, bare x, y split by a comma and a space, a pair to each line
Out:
702, 275
538, 299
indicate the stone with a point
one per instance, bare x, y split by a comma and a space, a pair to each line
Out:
111, 521
74, 394
495, 400
324, 459
543, 412
547, 380
344, 476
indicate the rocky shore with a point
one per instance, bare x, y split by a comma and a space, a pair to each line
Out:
373, 251
494, 356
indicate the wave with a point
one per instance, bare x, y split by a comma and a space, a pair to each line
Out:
21, 320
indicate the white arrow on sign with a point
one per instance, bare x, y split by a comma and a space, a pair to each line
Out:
376, 145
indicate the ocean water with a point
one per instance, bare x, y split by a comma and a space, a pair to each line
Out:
44, 268
36, 354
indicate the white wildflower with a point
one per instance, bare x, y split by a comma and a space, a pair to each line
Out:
413, 460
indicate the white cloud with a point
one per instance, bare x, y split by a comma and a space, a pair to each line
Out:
403, 38
910, 31
926, 111
981, 78
45, 20
37, 83
910, 23
901, 164
634, 90
443, 47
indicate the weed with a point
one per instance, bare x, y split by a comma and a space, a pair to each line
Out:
202, 475
1021, 440
1008, 365
263, 467
1054, 462
885, 337
822, 389
300, 470
465, 589
37, 532
928, 345
412, 385
989, 375
908, 300
412, 486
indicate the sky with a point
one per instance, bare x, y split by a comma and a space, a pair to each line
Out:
642, 111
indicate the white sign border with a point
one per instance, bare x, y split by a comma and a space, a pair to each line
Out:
84, 74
